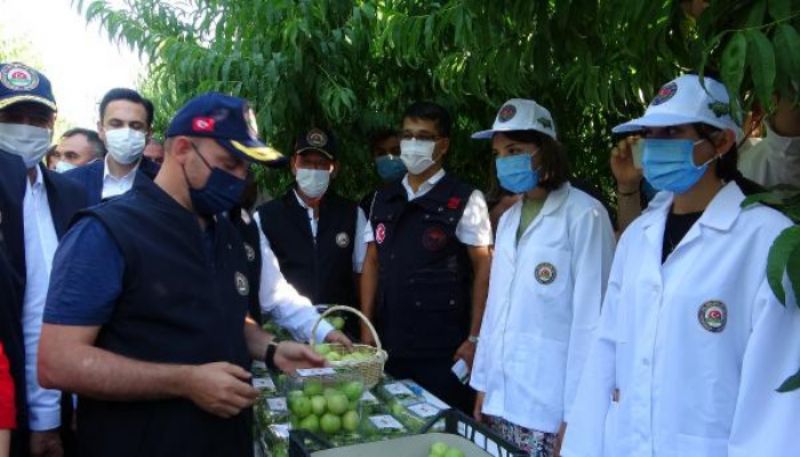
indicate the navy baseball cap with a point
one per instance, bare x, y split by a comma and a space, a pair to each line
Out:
21, 83
317, 139
228, 120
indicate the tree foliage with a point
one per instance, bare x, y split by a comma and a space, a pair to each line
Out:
354, 65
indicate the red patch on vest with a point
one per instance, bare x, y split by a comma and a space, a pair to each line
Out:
380, 233
434, 238
453, 202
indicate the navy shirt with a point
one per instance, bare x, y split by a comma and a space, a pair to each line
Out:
86, 280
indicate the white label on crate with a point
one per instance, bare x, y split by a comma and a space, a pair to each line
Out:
367, 396
491, 448
263, 383
281, 430
259, 365
277, 404
462, 428
307, 372
424, 410
385, 421
398, 388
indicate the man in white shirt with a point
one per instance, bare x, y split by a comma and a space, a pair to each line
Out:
125, 125
426, 271
35, 208
775, 159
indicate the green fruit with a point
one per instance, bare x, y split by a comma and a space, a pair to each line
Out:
397, 409
350, 421
330, 424
438, 448
353, 390
337, 404
318, 404
352, 405
333, 356
312, 388
453, 452
338, 323
300, 407
294, 394
322, 349
310, 423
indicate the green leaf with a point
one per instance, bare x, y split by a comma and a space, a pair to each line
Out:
757, 12
791, 383
782, 248
734, 58
761, 57
779, 9
787, 44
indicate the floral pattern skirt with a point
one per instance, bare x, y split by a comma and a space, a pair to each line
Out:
534, 442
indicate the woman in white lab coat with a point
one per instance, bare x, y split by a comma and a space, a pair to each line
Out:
553, 253
693, 343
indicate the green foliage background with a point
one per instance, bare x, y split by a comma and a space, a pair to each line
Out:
354, 65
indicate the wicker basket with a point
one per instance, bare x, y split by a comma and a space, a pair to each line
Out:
370, 370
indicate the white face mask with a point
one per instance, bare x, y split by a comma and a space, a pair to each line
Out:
313, 183
63, 166
125, 145
26, 141
417, 155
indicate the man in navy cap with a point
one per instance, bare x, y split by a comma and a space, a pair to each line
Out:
35, 208
150, 325
316, 236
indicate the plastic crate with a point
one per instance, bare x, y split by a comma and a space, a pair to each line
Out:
473, 438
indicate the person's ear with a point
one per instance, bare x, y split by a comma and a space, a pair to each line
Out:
443, 145
101, 132
293, 164
334, 168
181, 149
723, 141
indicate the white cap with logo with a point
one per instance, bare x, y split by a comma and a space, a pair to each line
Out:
685, 101
520, 114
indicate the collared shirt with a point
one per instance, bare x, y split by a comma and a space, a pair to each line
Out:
281, 301
689, 353
360, 246
113, 186
771, 160
473, 229
40, 246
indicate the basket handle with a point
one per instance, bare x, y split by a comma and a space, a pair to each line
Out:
358, 313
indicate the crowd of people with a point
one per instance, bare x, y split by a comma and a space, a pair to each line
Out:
136, 275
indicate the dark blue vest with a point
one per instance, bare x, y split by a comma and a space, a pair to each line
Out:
320, 269
90, 177
425, 275
177, 306
248, 231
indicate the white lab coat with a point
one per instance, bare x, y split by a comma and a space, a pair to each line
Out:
685, 391
535, 335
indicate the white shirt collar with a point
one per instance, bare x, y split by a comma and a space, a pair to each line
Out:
300, 200
107, 173
425, 187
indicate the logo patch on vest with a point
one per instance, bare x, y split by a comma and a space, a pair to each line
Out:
242, 286
250, 252
380, 233
342, 240
434, 238
16, 76
713, 316
545, 273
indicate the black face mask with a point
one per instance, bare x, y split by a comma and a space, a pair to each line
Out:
221, 192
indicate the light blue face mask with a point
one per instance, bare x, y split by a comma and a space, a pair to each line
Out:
390, 168
669, 164
516, 173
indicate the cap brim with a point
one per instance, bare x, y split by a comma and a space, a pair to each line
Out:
483, 135
321, 151
655, 120
252, 151
489, 134
6, 102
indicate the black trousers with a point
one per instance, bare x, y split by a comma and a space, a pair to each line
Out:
434, 374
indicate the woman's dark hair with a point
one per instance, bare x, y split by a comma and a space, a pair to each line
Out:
553, 162
727, 167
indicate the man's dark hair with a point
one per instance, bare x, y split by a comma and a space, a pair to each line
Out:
91, 137
553, 162
430, 111
379, 137
129, 95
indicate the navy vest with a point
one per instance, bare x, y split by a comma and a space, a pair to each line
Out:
248, 230
425, 275
177, 306
320, 269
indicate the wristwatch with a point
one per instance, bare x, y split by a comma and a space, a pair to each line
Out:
473, 339
269, 356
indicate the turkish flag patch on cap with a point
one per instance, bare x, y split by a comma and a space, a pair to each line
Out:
203, 124
453, 203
